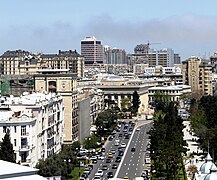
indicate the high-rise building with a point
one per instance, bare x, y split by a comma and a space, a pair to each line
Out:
198, 75
164, 57
92, 50
115, 56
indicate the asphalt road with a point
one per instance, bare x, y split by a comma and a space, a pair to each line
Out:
109, 146
133, 162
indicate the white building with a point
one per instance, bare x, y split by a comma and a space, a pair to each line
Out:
174, 92
35, 123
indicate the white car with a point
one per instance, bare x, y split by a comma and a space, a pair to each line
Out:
138, 129
99, 173
100, 157
123, 145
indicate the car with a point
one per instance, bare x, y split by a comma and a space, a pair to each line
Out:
117, 143
110, 155
110, 138
113, 151
100, 157
130, 129
120, 135
97, 178
126, 177
103, 150
99, 173
120, 153
104, 167
85, 175
110, 175
133, 149
127, 136
90, 166
125, 130
87, 170
120, 148
108, 160
118, 159
114, 166
123, 145
148, 160
138, 129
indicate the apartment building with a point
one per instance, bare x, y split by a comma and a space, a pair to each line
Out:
35, 122
62, 81
115, 56
23, 63
198, 75
10, 61
90, 104
92, 51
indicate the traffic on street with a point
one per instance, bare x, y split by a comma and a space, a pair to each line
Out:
123, 155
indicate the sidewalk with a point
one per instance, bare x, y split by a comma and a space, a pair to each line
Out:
193, 147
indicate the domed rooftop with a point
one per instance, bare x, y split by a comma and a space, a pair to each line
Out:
207, 165
213, 173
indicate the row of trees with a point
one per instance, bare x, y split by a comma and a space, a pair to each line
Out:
167, 145
203, 122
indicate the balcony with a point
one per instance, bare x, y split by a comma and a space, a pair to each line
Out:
24, 148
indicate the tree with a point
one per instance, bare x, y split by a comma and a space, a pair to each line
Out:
6, 149
167, 144
135, 102
105, 121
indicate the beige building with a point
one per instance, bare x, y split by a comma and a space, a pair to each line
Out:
24, 63
198, 75
63, 82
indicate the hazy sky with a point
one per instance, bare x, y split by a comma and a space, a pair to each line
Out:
187, 26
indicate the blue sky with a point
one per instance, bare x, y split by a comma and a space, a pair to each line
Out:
187, 26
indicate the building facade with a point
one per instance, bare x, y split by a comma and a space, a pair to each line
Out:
198, 75
35, 123
23, 63
62, 82
92, 50
115, 56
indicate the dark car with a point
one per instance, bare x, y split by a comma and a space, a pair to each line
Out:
110, 138
85, 175
133, 149
120, 135
103, 150
120, 153
130, 129
104, 167
108, 160
118, 159
110, 174
127, 136
114, 166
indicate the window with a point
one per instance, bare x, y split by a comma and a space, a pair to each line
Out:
23, 130
15, 129
15, 142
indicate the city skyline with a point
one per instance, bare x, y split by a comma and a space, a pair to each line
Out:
188, 27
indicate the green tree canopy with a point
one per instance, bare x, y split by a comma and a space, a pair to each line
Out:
135, 102
6, 148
